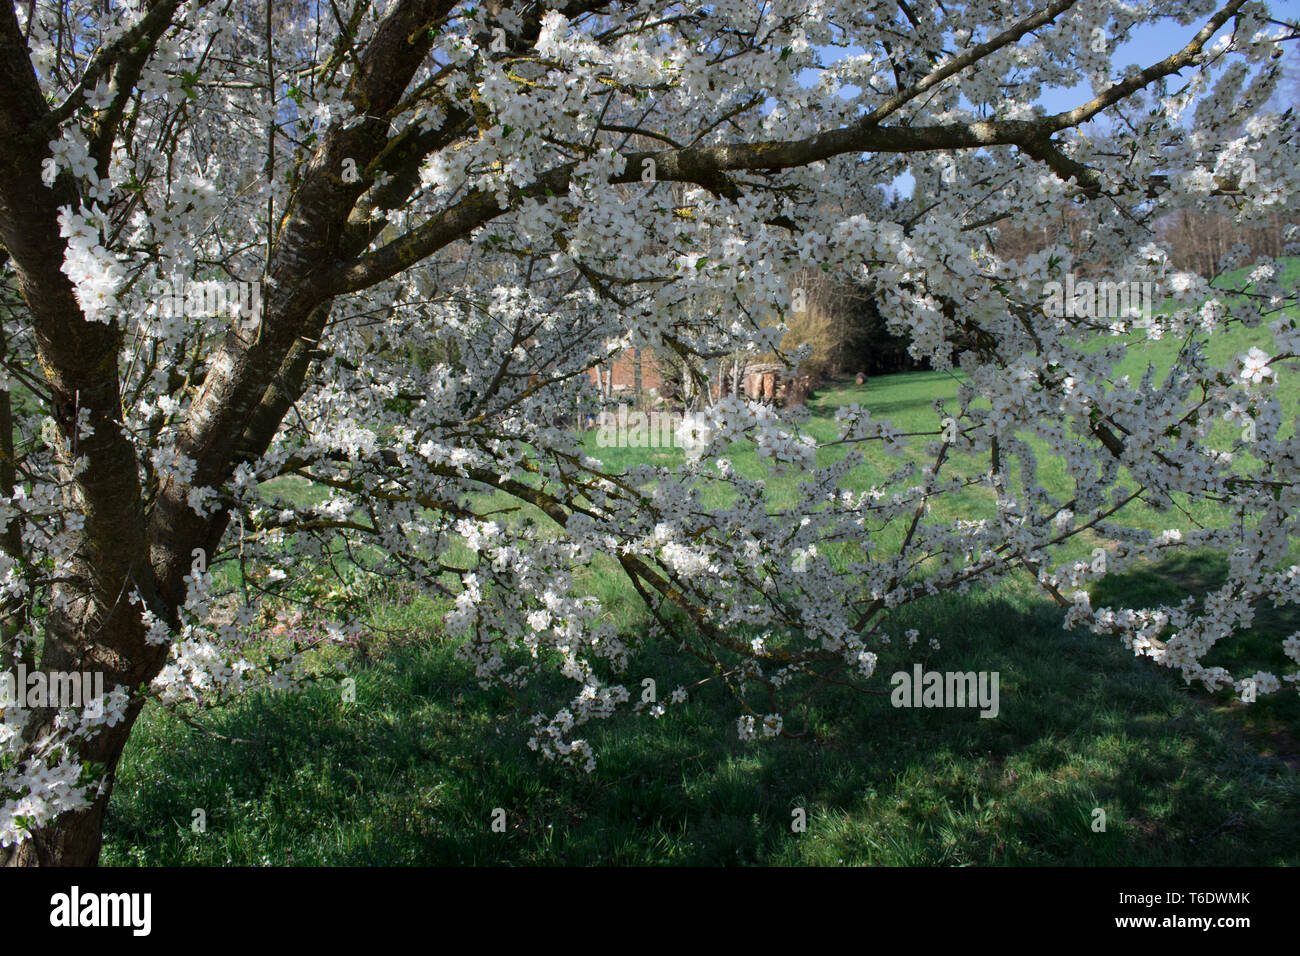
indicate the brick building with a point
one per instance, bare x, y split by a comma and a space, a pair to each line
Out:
760, 382
619, 376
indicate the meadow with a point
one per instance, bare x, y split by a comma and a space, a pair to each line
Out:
412, 772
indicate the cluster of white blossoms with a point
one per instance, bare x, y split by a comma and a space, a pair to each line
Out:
41, 778
94, 271
586, 188
751, 727
49, 782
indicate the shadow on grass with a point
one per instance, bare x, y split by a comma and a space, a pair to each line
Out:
1273, 721
414, 770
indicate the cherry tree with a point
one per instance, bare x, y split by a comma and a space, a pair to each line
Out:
371, 248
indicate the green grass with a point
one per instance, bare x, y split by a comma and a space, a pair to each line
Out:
412, 772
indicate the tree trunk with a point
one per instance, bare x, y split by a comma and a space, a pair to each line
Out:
636, 378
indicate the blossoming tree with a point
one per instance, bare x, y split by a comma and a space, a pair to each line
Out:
375, 245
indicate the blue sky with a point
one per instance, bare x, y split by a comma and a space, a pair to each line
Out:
1151, 42
1148, 44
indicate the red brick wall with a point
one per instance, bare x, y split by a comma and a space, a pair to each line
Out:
625, 374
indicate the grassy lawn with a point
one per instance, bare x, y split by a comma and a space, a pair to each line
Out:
412, 772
